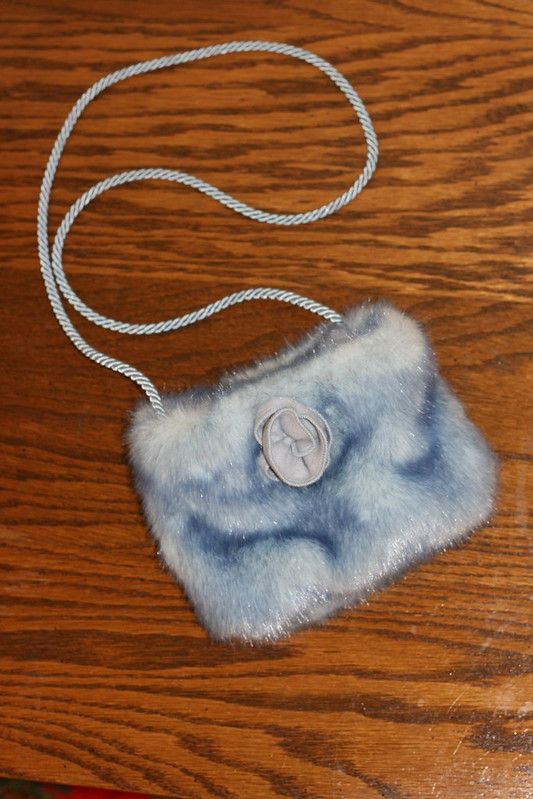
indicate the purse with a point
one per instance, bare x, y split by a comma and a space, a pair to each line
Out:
297, 486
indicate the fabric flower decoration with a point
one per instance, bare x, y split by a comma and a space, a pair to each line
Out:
294, 440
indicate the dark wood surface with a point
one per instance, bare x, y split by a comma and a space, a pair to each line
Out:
105, 676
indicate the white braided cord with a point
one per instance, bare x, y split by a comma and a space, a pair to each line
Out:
54, 277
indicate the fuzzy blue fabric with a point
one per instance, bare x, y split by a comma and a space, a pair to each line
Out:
408, 475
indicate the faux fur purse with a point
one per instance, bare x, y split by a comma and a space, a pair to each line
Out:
299, 485
407, 475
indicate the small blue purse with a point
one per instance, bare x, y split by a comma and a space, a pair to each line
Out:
297, 486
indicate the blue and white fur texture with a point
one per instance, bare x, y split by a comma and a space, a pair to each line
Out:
409, 475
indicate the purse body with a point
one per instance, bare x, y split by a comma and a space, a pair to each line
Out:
407, 475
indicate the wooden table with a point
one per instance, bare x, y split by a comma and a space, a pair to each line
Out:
105, 676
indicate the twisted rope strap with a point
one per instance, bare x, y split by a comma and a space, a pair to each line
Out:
55, 280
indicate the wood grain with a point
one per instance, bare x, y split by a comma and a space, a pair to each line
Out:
105, 676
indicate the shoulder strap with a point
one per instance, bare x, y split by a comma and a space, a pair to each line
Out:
56, 283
